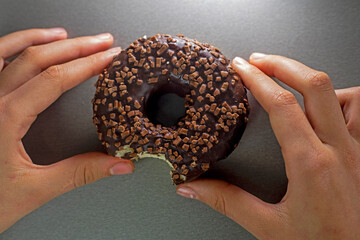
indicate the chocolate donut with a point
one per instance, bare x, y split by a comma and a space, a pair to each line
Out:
214, 98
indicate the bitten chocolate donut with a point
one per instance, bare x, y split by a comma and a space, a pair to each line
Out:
214, 98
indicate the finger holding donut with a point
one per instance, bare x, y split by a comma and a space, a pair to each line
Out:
37, 59
321, 104
28, 85
321, 151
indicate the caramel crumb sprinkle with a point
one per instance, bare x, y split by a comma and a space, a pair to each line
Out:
216, 92
169, 136
153, 80
137, 104
158, 62
205, 166
144, 132
193, 164
185, 147
116, 63
202, 89
224, 74
224, 86
179, 158
177, 141
125, 134
162, 49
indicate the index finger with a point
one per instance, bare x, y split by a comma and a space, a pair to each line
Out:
321, 104
33, 97
291, 127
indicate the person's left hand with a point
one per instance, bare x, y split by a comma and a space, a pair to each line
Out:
28, 85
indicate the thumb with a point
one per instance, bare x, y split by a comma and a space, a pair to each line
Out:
255, 215
81, 169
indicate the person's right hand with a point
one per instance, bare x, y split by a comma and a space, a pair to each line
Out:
321, 149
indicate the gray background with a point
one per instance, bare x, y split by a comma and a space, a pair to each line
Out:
322, 34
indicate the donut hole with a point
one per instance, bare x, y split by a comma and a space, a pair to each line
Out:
165, 108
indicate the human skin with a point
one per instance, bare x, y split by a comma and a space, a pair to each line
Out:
48, 65
321, 150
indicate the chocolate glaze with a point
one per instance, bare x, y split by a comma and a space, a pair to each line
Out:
199, 73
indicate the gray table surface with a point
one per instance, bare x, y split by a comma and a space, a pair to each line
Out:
323, 34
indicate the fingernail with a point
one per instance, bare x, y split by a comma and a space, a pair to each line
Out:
239, 61
186, 192
58, 30
104, 36
255, 56
122, 168
113, 51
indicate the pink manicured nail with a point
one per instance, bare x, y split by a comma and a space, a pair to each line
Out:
104, 36
186, 192
255, 56
239, 61
58, 30
122, 168
114, 50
